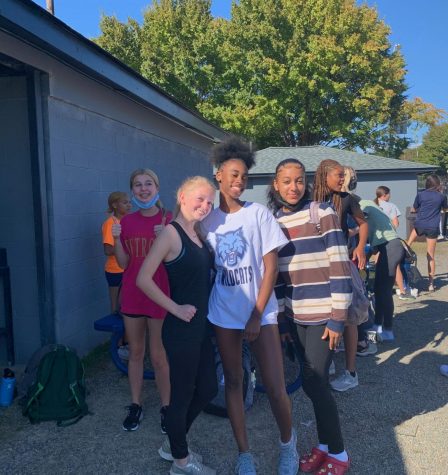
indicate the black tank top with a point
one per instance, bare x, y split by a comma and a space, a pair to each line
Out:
189, 275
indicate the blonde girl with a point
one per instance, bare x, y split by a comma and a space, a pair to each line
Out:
134, 236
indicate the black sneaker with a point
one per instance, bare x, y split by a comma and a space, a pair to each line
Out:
135, 415
162, 419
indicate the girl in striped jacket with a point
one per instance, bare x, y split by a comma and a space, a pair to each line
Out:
314, 292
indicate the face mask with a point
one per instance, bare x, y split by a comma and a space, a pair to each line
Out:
144, 204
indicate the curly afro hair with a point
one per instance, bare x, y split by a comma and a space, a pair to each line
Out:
231, 148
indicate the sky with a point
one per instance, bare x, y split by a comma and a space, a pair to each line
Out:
418, 26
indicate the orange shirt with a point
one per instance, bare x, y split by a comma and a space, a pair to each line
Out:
111, 263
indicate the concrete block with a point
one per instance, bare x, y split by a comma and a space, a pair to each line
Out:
76, 201
66, 227
76, 154
109, 180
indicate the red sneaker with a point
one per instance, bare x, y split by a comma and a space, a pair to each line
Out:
313, 461
332, 466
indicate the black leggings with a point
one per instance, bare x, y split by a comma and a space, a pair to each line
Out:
193, 386
316, 356
391, 254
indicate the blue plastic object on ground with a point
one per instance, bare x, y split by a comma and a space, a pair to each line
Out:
7, 386
113, 323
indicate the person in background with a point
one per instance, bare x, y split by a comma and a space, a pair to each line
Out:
328, 188
384, 240
428, 205
134, 236
188, 263
119, 205
365, 346
245, 237
314, 292
443, 216
391, 210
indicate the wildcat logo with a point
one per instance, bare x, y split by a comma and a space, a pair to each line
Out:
231, 247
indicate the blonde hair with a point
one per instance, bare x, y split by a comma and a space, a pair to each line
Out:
349, 172
191, 183
113, 198
150, 173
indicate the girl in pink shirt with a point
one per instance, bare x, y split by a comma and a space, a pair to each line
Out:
134, 236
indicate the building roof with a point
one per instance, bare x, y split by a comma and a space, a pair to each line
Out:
268, 158
32, 24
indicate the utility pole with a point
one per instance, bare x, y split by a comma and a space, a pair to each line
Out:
50, 6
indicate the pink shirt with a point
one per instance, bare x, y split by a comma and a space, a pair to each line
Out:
137, 236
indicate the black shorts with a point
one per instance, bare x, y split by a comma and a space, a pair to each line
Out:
114, 278
429, 233
133, 315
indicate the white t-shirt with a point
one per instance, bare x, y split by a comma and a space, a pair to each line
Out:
389, 208
239, 241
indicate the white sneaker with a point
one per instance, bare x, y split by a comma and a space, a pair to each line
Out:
165, 452
406, 295
344, 382
288, 462
193, 467
245, 464
372, 337
332, 369
388, 335
378, 329
444, 370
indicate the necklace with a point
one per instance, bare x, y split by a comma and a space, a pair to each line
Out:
189, 233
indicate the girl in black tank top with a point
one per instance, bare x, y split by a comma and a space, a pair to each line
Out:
190, 353
189, 277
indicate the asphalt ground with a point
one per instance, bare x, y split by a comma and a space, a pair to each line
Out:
394, 422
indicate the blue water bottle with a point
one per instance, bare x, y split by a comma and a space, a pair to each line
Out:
7, 388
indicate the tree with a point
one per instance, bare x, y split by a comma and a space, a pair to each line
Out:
280, 72
174, 47
301, 72
434, 149
122, 40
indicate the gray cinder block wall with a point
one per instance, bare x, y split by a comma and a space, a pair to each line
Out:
94, 146
94, 137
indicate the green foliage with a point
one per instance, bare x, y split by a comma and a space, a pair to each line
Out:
301, 72
280, 72
122, 40
434, 149
178, 48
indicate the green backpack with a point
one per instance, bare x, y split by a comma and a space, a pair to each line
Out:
59, 391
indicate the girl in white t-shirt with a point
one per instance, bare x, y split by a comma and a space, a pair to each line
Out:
245, 238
